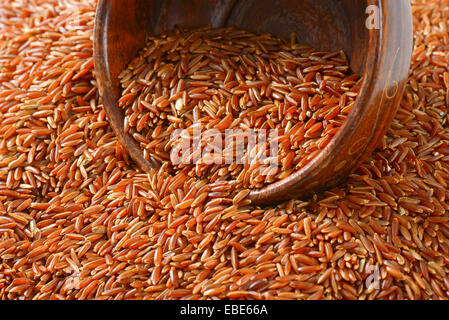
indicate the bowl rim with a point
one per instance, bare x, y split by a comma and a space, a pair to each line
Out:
377, 55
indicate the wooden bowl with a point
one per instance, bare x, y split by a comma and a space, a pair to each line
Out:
382, 55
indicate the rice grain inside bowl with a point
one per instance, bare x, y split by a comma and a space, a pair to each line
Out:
209, 93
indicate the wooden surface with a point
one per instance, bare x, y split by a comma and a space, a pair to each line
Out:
382, 56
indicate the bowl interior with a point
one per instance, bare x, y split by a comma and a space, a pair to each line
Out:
328, 25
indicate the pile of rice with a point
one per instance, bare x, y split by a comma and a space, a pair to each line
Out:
78, 220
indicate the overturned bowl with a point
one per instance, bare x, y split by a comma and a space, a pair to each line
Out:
376, 35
